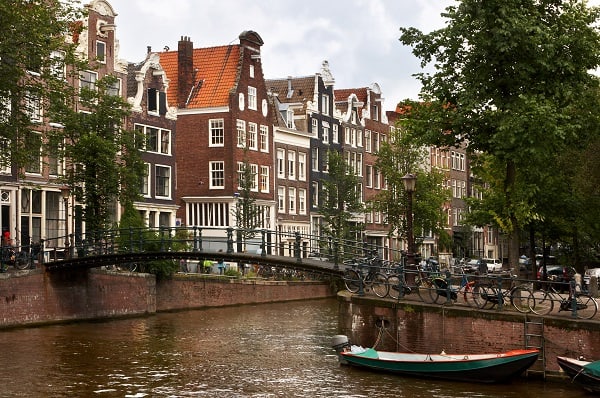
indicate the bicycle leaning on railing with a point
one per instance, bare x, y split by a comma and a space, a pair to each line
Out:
364, 274
490, 293
582, 305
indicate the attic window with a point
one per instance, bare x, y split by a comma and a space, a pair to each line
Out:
252, 71
157, 102
101, 51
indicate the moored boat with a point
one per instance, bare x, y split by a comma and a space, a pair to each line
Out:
584, 373
480, 368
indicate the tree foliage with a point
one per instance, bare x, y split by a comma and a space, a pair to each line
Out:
398, 156
341, 202
246, 212
512, 79
32, 32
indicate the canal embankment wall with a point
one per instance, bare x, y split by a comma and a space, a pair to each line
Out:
411, 326
35, 297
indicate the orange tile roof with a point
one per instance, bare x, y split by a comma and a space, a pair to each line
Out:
343, 94
217, 70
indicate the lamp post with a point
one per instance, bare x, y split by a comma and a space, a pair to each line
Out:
65, 192
409, 181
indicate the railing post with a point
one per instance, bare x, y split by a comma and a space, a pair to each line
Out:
573, 298
229, 240
401, 283
500, 299
41, 258
161, 232
200, 239
336, 255
297, 252
263, 251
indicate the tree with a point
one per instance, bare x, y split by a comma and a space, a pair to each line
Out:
512, 80
342, 203
105, 167
397, 157
31, 39
246, 212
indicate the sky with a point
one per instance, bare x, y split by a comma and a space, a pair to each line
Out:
359, 38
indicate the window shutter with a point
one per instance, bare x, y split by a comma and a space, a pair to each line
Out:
162, 103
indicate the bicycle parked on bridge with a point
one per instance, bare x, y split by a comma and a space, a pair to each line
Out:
582, 305
488, 294
364, 275
424, 286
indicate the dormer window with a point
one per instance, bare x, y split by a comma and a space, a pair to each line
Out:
251, 70
289, 116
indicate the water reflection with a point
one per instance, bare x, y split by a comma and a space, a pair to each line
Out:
272, 350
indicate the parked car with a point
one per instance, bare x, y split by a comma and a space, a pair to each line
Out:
587, 276
474, 265
493, 264
558, 273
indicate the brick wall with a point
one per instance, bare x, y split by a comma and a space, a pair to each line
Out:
35, 297
418, 327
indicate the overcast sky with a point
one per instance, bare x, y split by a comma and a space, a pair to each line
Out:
359, 38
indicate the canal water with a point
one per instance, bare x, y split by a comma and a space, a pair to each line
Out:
268, 350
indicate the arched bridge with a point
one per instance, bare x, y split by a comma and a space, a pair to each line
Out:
122, 247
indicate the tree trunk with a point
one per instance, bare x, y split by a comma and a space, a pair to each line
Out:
513, 223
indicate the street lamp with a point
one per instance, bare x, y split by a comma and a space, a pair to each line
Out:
409, 181
65, 192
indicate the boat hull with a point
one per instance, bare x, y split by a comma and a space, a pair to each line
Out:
574, 369
490, 368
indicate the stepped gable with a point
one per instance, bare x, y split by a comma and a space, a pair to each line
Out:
215, 75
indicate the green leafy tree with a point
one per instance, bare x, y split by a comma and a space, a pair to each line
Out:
105, 167
511, 78
246, 212
398, 156
341, 203
31, 39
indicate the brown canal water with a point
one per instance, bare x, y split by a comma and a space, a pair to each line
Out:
269, 350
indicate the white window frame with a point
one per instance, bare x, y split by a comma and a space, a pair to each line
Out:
302, 166
301, 201
216, 170
252, 136
336, 134
264, 179
170, 179
281, 199
325, 104
252, 99
291, 163
101, 57
280, 163
241, 133
88, 79
146, 187
291, 200
216, 129
263, 142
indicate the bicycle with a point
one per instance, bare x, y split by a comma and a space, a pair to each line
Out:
581, 304
356, 280
487, 295
424, 286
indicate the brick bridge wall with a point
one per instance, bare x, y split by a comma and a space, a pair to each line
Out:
418, 327
36, 297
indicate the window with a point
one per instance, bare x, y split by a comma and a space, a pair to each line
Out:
57, 65
264, 139
254, 171
156, 140
359, 138
33, 106
368, 140
251, 71
241, 134
252, 98
315, 128
347, 135
163, 181
145, 185
325, 134
291, 200
208, 214
54, 163
240, 174
377, 178
376, 142
217, 175
157, 102
302, 166
326, 163
289, 118
302, 201
114, 88
291, 165
315, 159
325, 104
336, 134
33, 142
369, 176
87, 79
281, 163
281, 199
359, 164
216, 132
264, 178
315, 194
165, 142
252, 136
375, 115
100, 51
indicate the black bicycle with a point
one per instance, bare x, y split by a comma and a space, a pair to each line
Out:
364, 275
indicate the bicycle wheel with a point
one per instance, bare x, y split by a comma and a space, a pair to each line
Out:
352, 280
468, 295
487, 297
543, 302
426, 290
22, 260
379, 285
522, 299
442, 290
586, 306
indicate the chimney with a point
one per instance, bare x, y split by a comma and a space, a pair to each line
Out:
185, 70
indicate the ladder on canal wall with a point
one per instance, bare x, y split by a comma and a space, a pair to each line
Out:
534, 338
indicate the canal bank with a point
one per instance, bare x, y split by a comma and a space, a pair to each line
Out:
412, 326
35, 297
